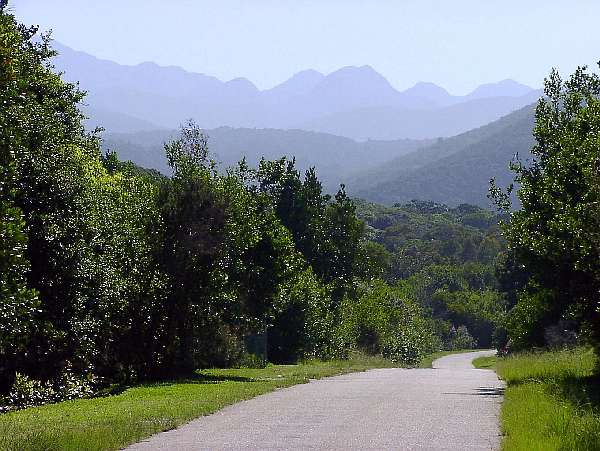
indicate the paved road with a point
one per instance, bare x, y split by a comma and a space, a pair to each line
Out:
450, 407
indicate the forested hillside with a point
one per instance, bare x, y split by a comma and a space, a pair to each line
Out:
454, 170
445, 260
334, 157
451, 170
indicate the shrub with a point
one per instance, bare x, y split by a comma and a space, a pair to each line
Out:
304, 328
460, 338
28, 392
382, 321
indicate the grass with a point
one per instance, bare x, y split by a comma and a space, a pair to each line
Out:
427, 362
485, 363
552, 400
115, 421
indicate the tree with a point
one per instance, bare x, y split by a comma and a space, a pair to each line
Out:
554, 237
76, 244
344, 260
18, 303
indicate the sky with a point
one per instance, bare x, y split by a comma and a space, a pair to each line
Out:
457, 44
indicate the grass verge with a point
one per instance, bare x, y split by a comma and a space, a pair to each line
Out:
552, 401
115, 421
485, 363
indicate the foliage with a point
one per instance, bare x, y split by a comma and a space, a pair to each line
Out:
27, 392
551, 400
553, 238
305, 328
326, 232
381, 321
443, 259
460, 338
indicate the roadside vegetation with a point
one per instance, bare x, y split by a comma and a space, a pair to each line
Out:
552, 400
551, 275
112, 422
485, 363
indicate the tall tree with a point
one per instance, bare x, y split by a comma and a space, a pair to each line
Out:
554, 237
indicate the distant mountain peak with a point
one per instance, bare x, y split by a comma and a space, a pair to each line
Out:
426, 89
360, 76
298, 84
503, 88
363, 70
241, 81
307, 73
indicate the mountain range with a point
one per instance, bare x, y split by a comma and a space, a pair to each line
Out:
451, 170
355, 102
387, 146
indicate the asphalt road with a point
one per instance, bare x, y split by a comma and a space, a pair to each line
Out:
450, 407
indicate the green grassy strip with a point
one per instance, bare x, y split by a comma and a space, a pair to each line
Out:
485, 363
115, 421
552, 400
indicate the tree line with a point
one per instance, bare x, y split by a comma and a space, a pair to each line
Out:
111, 273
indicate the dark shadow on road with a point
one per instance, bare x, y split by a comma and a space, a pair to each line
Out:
493, 392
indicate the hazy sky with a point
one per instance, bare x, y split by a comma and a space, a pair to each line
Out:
457, 44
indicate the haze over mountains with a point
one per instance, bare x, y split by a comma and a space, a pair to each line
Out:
355, 102
336, 158
452, 170
386, 145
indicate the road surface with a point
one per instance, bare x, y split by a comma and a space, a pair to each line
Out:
450, 407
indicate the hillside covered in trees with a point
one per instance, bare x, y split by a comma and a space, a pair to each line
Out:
445, 260
453, 170
335, 158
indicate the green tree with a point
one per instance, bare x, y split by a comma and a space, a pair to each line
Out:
18, 303
76, 235
554, 237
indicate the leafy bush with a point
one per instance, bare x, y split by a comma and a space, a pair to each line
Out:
383, 321
28, 392
460, 338
305, 328
523, 320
